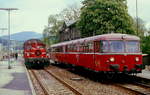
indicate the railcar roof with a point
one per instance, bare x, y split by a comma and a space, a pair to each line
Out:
113, 36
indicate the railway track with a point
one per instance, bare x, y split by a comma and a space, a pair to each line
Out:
137, 85
42, 88
46, 90
142, 81
64, 83
138, 89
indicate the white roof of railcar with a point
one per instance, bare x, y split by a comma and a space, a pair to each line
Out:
113, 36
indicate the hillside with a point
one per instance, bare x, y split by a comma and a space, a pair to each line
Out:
23, 36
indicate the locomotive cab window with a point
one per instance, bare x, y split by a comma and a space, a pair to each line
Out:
28, 47
40, 47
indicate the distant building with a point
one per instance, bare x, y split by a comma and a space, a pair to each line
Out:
1, 46
69, 31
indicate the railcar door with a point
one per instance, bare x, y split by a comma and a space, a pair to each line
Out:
96, 55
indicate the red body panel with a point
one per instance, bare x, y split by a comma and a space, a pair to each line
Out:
96, 60
33, 50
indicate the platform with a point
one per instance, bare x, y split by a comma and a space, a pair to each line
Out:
14, 81
145, 74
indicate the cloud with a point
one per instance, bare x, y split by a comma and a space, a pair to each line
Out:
33, 14
148, 25
143, 9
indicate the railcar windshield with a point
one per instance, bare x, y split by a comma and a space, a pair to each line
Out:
120, 46
117, 46
132, 46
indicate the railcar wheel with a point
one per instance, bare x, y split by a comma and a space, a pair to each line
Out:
110, 75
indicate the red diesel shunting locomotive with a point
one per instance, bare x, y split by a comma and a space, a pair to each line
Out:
35, 53
103, 53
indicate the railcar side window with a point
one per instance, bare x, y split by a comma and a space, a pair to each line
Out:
117, 46
133, 46
90, 44
96, 46
104, 46
81, 47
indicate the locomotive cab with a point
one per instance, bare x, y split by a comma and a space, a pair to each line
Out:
35, 53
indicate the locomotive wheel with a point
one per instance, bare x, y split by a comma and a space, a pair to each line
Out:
28, 66
46, 63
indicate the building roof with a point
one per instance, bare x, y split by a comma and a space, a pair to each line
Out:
71, 22
67, 24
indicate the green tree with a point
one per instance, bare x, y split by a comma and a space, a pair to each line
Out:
146, 45
148, 32
55, 22
50, 32
140, 28
70, 13
105, 16
145, 42
142, 32
46, 35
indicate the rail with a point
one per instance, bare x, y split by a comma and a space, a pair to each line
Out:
38, 80
63, 82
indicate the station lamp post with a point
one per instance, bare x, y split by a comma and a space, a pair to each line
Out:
8, 10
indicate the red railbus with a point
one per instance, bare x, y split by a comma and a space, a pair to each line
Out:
103, 53
35, 53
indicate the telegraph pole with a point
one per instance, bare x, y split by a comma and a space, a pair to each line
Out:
137, 17
8, 10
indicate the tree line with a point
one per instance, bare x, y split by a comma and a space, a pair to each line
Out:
97, 17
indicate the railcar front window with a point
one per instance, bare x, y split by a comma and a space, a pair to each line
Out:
132, 46
117, 46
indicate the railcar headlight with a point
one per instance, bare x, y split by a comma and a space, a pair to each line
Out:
112, 59
137, 59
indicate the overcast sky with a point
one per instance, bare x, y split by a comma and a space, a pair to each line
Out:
33, 14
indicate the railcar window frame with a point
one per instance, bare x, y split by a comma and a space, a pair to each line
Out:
138, 46
117, 51
91, 47
101, 46
96, 46
81, 47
